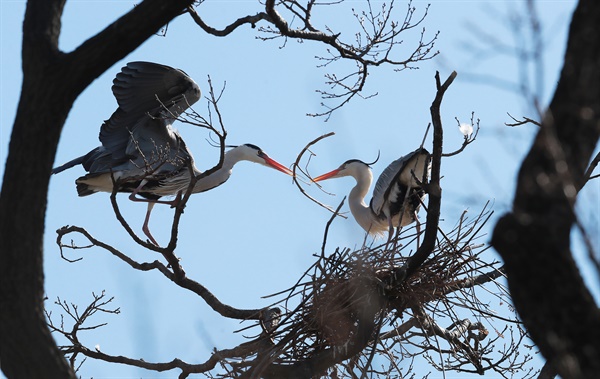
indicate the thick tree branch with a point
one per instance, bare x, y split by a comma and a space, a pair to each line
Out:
250, 19
534, 240
434, 190
178, 278
99, 53
52, 81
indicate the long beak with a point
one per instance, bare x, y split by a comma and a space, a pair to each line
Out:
276, 165
328, 175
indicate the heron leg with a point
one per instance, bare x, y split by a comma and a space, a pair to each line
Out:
390, 232
133, 197
145, 228
418, 227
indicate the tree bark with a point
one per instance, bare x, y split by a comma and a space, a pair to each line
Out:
534, 240
52, 80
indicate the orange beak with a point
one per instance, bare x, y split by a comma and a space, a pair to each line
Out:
328, 175
276, 165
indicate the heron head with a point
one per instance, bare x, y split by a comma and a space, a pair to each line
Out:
253, 153
352, 167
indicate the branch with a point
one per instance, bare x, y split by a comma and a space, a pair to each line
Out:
240, 351
469, 138
525, 120
117, 40
588, 173
296, 167
454, 336
372, 45
476, 281
250, 19
433, 188
182, 281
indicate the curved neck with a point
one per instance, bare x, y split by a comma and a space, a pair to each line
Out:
221, 175
356, 200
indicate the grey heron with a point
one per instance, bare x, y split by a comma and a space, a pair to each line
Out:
397, 195
141, 153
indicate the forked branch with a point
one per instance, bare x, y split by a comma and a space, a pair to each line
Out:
376, 40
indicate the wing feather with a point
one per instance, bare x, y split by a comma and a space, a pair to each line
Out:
393, 178
150, 97
143, 90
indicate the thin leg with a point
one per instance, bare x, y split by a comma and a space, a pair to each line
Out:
418, 227
145, 228
133, 197
390, 232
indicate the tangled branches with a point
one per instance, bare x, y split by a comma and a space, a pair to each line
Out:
354, 308
374, 42
428, 294
354, 305
74, 348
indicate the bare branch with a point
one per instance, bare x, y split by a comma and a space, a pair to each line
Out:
375, 42
182, 281
588, 173
296, 167
525, 120
433, 188
469, 138
252, 20
349, 301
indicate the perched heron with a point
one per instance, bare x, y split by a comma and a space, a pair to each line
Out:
141, 153
397, 195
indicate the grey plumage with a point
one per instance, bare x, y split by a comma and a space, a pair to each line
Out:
397, 195
138, 141
401, 176
141, 153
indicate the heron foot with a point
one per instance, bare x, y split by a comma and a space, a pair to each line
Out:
175, 202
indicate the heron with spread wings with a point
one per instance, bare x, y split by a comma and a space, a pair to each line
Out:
141, 153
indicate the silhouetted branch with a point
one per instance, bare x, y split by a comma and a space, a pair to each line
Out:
181, 280
523, 121
375, 42
433, 188
76, 347
349, 305
469, 137
588, 173
296, 167
250, 19
333, 216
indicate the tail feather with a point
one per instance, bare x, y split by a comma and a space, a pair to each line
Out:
74, 162
83, 189
92, 183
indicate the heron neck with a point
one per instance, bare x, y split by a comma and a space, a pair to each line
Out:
356, 199
220, 176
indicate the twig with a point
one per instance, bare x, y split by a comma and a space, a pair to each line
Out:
433, 189
525, 120
296, 166
328, 225
182, 281
468, 139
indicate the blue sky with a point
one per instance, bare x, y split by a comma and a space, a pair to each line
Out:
256, 234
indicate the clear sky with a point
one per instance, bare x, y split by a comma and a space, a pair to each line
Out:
256, 234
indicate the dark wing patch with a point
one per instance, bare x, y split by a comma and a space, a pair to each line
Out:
392, 184
138, 88
139, 84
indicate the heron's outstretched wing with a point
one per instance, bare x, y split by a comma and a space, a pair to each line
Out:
146, 91
145, 87
397, 176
